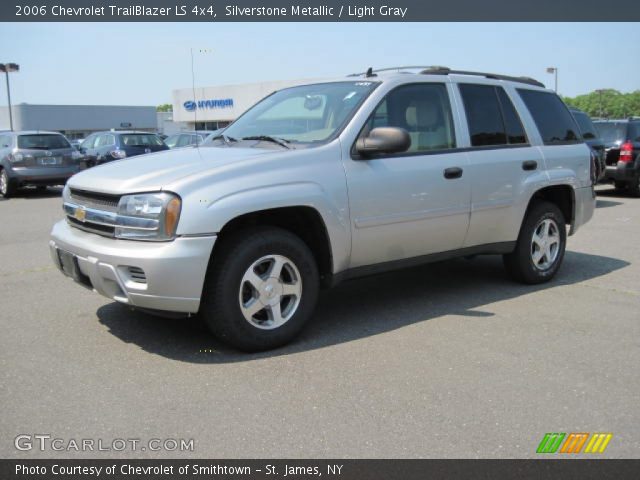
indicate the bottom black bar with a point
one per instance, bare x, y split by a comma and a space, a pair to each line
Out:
582, 469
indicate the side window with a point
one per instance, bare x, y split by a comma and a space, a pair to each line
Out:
552, 117
491, 116
512, 122
171, 141
110, 140
103, 140
634, 132
421, 109
184, 140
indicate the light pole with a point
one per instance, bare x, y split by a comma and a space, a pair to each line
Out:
554, 70
6, 68
600, 91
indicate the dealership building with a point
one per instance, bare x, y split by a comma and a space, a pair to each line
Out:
210, 108
78, 121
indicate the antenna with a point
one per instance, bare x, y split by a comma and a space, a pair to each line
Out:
193, 89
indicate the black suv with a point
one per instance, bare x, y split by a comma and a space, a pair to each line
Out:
622, 153
102, 147
592, 138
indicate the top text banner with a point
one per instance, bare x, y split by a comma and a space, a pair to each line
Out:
320, 11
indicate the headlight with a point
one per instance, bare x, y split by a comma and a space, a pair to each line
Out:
76, 155
148, 216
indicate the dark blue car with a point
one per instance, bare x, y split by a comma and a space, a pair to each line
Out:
102, 147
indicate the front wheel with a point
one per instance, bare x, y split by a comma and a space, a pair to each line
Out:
634, 187
540, 247
261, 289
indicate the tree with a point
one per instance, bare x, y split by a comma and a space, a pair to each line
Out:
607, 103
165, 107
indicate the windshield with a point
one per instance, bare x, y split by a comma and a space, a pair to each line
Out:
586, 127
140, 139
42, 142
304, 114
612, 132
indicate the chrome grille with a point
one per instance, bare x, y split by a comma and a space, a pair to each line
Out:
100, 201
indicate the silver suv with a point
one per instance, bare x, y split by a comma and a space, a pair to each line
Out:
324, 182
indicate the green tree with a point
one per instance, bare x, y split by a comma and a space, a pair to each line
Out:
165, 107
607, 103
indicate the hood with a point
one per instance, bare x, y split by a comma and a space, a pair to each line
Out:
153, 171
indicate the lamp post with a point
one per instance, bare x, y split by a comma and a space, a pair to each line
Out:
6, 68
600, 91
554, 70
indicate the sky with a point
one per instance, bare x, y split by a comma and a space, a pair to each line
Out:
141, 63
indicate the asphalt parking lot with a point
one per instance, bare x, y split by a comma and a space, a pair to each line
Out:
448, 360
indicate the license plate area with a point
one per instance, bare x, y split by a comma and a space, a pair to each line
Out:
70, 267
50, 161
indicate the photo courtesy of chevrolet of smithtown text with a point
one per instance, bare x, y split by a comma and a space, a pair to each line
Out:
300, 239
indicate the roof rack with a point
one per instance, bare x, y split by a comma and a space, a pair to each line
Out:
438, 70
495, 76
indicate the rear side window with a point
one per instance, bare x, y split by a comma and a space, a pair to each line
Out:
421, 109
491, 117
552, 117
634, 132
587, 129
140, 140
42, 142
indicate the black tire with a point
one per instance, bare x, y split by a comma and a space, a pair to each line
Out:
7, 189
41, 188
520, 264
620, 186
232, 258
633, 187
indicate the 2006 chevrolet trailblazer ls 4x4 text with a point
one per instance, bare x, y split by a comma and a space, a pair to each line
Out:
323, 182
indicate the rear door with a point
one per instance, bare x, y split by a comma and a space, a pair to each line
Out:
501, 160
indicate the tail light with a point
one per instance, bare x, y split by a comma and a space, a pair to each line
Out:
626, 153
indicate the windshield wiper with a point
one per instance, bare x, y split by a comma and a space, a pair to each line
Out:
227, 140
267, 138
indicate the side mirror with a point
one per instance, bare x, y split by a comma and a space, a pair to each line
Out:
384, 140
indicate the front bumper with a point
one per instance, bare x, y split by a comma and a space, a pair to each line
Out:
172, 272
21, 176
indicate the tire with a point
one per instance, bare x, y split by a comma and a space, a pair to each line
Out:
6, 188
620, 185
521, 264
633, 188
245, 303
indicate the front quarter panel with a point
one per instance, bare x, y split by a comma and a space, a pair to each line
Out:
312, 177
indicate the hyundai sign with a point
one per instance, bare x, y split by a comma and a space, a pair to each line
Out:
191, 106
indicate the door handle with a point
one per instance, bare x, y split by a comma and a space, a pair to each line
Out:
529, 165
452, 172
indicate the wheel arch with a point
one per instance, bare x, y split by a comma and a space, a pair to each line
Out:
561, 195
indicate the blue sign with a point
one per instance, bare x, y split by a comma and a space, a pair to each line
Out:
191, 106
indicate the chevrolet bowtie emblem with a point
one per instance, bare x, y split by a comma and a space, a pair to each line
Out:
80, 214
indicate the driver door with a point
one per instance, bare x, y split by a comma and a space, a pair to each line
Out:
416, 202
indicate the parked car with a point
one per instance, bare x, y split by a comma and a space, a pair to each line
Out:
103, 147
76, 142
324, 182
591, 138
622, 149
30, 158
186, 139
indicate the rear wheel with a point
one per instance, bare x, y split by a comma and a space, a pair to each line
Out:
620, 185
634, 187
261, 289
6, 188
540, 247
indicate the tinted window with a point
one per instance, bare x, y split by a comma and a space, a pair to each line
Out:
483, 115
634, 132
552, 117
184, 141
140, 139
42, 142
105, 140
423, 110
587, 129
612, 132
512, 122
88, 142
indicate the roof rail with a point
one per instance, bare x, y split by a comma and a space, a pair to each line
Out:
371, 72
495, 76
